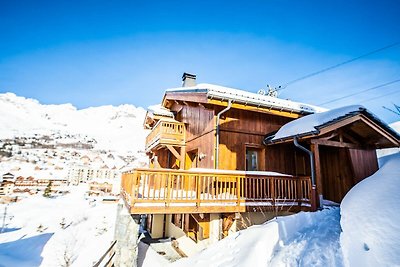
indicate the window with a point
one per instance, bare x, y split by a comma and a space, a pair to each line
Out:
252, 159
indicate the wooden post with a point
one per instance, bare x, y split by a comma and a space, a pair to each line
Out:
133, 189
197, 177
272, 179
183, 157
238, 180
169, 185
314, 200
318, 174
298, 191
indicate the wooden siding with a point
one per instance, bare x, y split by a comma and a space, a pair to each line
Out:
198, 119
240, 129
363, 162
337, 174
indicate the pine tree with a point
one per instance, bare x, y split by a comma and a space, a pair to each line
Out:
47, 191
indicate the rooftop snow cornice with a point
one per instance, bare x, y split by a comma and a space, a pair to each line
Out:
247, 98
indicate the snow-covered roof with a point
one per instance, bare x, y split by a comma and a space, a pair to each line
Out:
310, 124
247, 98
159, 110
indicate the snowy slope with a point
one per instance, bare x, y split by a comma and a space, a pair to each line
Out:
370, 218
114, 128
86, 234
303, 239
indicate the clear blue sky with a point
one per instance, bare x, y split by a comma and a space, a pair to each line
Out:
92, 53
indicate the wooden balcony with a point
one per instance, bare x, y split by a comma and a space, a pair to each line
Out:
166, 133
160, 191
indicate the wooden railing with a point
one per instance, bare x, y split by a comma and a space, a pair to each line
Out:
167, 133
107, 259
179, 191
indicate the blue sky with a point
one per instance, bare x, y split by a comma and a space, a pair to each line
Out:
92, 53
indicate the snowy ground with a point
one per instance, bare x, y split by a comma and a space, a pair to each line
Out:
303, 239
33, 234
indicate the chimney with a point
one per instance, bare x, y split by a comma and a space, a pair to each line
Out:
188, 79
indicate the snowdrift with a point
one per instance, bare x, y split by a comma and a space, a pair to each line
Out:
303, 239
371, 218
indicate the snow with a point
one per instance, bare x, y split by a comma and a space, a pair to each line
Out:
370, 218
303, 239
147, 256
159, 110
86, 235
309, 124
114, 128
221, 92
396, 126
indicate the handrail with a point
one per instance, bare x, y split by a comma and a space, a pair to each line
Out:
184, 187
109, 251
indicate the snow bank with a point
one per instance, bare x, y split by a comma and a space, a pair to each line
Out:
370, 218
303, 239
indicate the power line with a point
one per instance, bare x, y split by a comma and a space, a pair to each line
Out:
374, 98
336, 66
360, 92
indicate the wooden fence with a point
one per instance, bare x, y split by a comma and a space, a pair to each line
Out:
222, 190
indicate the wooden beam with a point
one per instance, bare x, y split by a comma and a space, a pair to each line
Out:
189, 97
173, 151
339, 124
182, 158
185, 209
381, 131
256, 109
318, 172
351, 138
323, 142
330, 136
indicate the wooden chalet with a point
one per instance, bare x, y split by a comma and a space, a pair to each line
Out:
217, 160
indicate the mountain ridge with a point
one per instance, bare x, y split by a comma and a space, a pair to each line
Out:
118, 128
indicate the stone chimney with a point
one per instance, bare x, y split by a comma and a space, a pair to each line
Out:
188, 79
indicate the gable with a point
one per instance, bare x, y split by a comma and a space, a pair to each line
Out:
352, 126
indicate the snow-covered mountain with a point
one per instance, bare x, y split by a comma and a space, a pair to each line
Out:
113, 128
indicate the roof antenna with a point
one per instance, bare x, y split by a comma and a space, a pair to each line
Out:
272, 91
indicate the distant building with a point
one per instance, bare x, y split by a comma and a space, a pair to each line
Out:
83, 173
32, 185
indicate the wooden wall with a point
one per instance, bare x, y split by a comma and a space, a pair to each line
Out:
238, 129
342, 168
198, 119
241, 128
364, 163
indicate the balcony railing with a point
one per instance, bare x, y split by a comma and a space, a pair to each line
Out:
152, 191
166, 133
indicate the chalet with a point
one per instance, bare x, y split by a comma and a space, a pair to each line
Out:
222, 159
